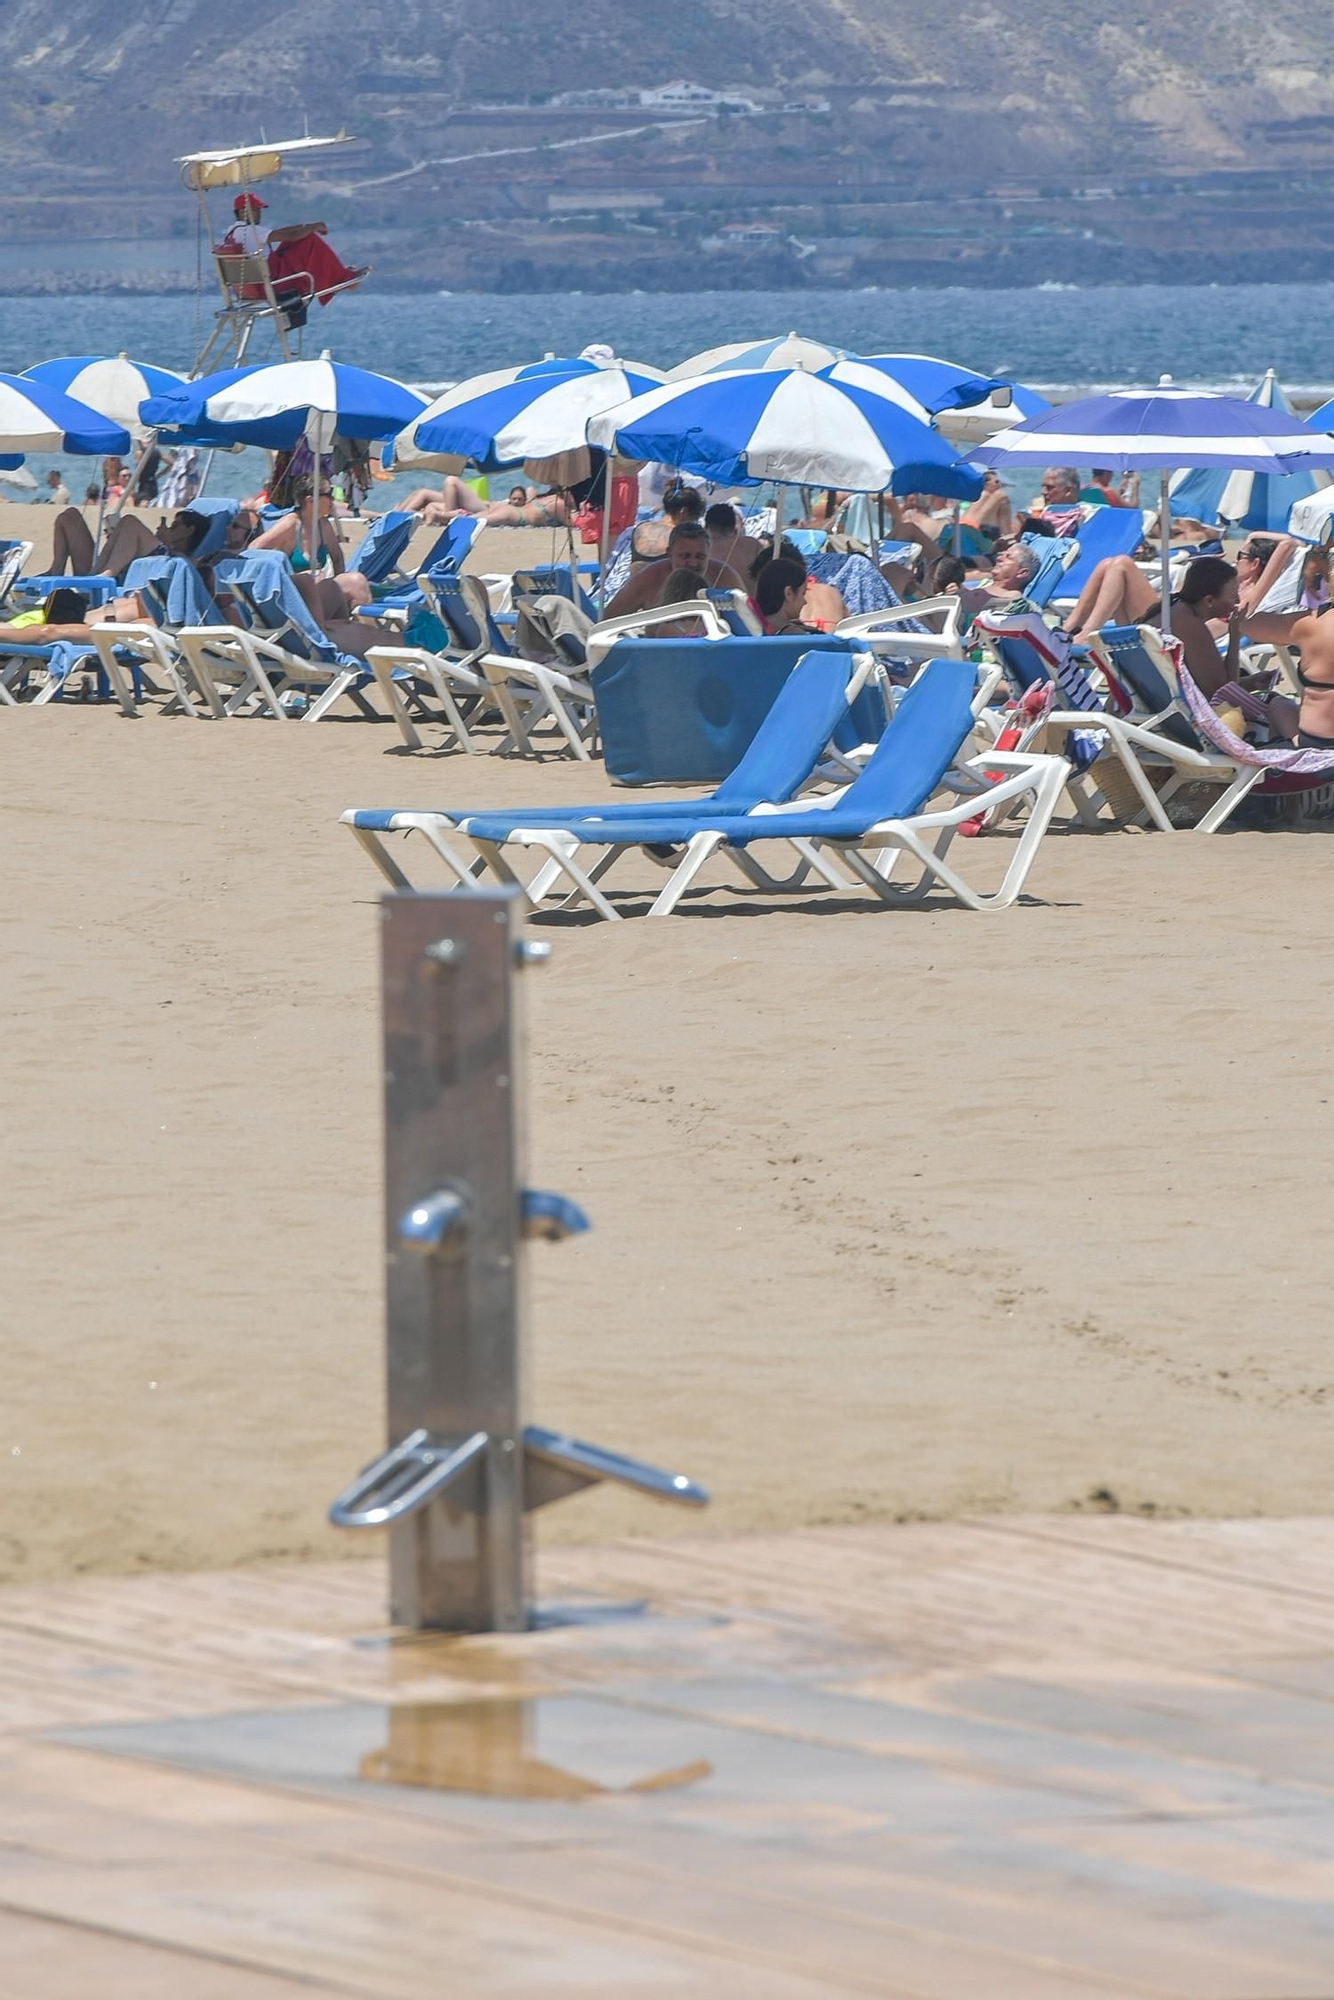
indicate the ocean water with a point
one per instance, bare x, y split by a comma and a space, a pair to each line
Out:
1062, 339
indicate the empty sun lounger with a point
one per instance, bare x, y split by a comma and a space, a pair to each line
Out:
810, 707
542, 706
884, 812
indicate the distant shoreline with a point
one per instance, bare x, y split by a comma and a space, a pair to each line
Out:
94, 284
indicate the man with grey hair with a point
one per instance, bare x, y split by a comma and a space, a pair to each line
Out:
687, 548
1015, 566
1057, 511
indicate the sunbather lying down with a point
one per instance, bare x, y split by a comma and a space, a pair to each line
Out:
65, 615
535, 510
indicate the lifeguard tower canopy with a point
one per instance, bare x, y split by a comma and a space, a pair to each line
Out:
237, 166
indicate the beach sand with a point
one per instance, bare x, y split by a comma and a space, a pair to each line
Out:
895, 1213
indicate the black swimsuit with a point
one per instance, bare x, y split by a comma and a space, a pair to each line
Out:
1306, 738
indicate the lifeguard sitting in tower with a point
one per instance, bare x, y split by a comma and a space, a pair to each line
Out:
302, 266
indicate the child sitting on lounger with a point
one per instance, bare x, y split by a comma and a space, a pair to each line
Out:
681, 587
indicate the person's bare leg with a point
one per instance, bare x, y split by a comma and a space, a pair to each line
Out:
459, 498
353, 589
1115, 594
316, 593
127, 540
71, 544
432, 508
1088, 597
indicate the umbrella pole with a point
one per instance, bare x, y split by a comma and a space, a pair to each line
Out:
604, 537
779, 492
1165, 556
315, 508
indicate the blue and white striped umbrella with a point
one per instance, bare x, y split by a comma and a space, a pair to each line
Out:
36, 417
980, 421
964, 406
272, 404
786, 350
1254, 502
513, 416
927, 386
789, 426
113, 385
1162, 429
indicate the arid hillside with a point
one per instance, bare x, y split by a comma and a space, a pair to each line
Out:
1202, 132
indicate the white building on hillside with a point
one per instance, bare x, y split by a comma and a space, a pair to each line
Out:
681, 95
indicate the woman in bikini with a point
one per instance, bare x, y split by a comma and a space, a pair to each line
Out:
1209, 598
539, 510
1312, 633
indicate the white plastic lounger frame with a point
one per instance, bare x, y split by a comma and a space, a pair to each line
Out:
632, 623
400, 671
925, 838
466, 869
225, 656
526, 692
12, 563
1139, 737
160, 664
879, 629
228, 679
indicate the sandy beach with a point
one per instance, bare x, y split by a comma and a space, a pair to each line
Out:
895, 1214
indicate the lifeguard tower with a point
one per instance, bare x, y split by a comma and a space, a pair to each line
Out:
249, 299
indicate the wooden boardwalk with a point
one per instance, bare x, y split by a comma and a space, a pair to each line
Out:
1033, 1759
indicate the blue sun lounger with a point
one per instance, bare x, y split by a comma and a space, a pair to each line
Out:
883, 811
1109, 531
811, 704
380, 550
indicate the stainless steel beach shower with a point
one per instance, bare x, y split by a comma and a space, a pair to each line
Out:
462, 1468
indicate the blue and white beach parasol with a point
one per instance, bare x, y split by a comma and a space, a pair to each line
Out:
925, 385
36, 417
512, 416
1254, 502
274, 404
1162, 430
964, 406
744, 427
112, 385
787, 350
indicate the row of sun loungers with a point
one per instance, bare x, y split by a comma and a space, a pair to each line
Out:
948, 759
